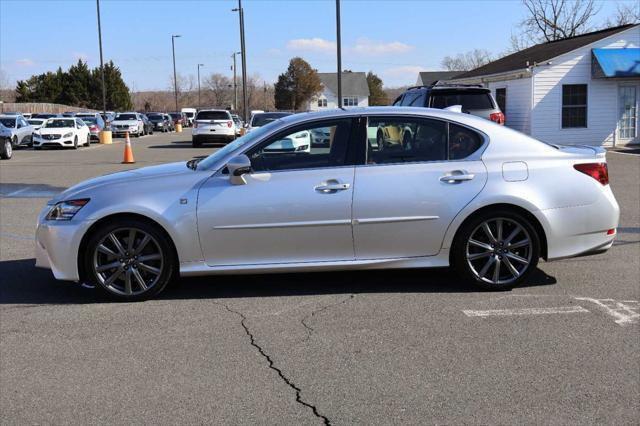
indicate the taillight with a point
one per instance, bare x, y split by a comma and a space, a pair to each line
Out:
497, 117
229, 123
598, 171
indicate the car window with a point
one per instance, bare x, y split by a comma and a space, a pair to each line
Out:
404, 140
8, 122
23, 122
212, 115
409, 97
263, 118
468, 100
123, 117
319, 145
462, 142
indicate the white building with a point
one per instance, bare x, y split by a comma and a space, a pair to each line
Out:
578, 90
355, 91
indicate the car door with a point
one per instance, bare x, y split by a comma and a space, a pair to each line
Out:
24, 130
408, 193
295, 206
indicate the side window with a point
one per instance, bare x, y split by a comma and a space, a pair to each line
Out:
419, 101
317, 145
398, 101
405, 140
574, 105
409, 97
462, 142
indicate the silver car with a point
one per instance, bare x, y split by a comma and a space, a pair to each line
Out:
463, 192
21, 130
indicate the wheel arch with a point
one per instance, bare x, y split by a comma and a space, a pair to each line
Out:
539, 228
115, 216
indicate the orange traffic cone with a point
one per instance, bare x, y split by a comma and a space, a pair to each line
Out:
128, 152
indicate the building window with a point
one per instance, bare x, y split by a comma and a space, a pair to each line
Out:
350, 101
322, 103
574, 105
501, 99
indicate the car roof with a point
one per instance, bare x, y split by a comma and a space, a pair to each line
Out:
215, 110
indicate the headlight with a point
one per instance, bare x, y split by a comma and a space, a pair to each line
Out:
66, 210
133, 127
302, 148
68, 135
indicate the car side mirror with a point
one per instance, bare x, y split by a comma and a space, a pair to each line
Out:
237, 167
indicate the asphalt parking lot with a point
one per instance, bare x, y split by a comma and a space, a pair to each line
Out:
377, 347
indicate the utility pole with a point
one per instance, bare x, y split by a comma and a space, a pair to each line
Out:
265, 95
235, 83
175, 78
199, 103
339, 48
244, 60
104, 93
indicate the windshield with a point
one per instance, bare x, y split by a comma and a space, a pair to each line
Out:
9, 122
175, 115
51, 124
246, 139
126, 117
189, 114
89, 120
154, 117
260, 120
36, 122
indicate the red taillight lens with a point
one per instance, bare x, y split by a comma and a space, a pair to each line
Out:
229, 123
611, 231
497, 117
93, 128
598, 171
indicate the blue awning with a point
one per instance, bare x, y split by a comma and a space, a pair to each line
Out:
607, 63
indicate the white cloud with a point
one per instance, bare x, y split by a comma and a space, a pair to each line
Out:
25, 62
312, 45
367, 47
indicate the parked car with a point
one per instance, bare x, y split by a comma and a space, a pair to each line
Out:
66, 132
21, 130
69, 114
6, 149
260, 119
212, 125
190, 114
27, 115
45, 115
95, 124
170, 122
159, 122
148, 125
466, 193
238, 122
36, 123
177, 118
128, 122
475, 100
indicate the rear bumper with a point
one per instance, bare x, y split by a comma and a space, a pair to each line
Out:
213, 138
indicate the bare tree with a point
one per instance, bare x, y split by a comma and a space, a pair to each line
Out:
218, 90
550, 20
625, 14
467, 61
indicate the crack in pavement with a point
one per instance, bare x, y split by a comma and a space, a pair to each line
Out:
310, 329
272, 366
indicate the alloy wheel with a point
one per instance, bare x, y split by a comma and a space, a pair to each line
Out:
8, 149
128, 261
499, 251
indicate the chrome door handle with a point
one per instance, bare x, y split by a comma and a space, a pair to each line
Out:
457, 177
332, 187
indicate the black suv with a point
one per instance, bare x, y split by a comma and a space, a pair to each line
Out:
475, 100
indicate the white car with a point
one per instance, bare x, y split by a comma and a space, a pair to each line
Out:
128, 122
464, 192
213, 125
259, 119
36, 123
21, 130
66, 132
191, 115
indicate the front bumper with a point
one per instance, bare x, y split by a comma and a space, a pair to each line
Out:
53, 142
57, 245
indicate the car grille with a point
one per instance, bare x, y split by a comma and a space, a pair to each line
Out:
121, 126
51, 137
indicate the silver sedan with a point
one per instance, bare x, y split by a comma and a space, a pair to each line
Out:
439, 189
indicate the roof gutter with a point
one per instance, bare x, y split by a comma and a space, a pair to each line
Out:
507, 75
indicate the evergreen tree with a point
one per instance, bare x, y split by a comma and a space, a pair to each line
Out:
377, 96
297, 85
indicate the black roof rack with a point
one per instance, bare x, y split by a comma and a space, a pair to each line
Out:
439, 84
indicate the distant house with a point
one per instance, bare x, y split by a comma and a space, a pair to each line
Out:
428, 78
355, 91
579, 90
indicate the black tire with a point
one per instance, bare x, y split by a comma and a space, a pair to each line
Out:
88, 142
159, 239
6, 150
195, 143
75, 142
468, 260
37, 148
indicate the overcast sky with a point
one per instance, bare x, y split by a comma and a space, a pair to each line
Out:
395, 39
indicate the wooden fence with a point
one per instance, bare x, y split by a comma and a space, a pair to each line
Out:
33, 108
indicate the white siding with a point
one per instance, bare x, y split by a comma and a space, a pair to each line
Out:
602, 95
518, 102
332, 101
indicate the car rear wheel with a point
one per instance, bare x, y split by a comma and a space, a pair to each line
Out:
88, 142
7, 150
75, 142
496, 250
129, 260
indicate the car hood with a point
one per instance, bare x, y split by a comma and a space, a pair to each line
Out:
54, 130
127, 122
129, 176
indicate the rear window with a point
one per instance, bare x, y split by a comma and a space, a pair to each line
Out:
154, 117
262, 119
468, 100
189, 114
213, 115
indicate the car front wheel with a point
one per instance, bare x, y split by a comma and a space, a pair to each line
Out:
496, 250
7, 150
129, 260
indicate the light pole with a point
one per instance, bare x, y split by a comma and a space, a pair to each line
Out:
104, 94
244, 60
339, 49
235, 82
175, 78
199, 103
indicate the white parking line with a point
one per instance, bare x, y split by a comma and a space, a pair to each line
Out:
625, 312
526, 311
